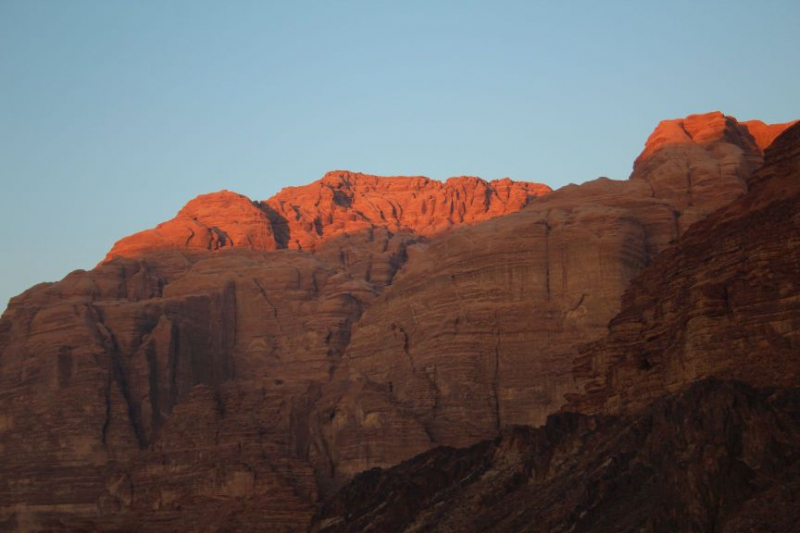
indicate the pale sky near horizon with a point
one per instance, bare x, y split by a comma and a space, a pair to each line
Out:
114, 114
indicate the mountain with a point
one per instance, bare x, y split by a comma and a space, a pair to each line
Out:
724, 303
719, 456
479, 328
232, 367
667, 446
176, 378
341, 203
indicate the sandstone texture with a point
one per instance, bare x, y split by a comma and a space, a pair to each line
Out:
172, 386
724, 303
720, 456
478, 330
340, 203
663, 444
232, 367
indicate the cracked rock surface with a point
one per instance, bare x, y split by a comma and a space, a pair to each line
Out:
230, 368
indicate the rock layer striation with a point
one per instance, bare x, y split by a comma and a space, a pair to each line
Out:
724, 303
668, 446
720, 456
478, 330
232, 366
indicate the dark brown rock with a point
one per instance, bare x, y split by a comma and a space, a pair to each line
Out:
478, 330
720, 456
723, 303
229, 367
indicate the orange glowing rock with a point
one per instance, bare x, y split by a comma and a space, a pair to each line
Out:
341, 202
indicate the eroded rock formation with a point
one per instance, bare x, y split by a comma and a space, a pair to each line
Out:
720, 456
479, 329
713, 456
172, 385
340, 203
724, 303
235, 364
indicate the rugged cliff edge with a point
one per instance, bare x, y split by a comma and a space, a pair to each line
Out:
669, 447
724, 303
340, 203
720, 456
232, 366
479, 328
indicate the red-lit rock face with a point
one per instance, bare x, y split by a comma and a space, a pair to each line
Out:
341, 202
209, 222
479, 328
723, 303
764, 134
229, 365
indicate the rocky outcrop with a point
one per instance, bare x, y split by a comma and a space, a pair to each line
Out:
714, 456
765, 134
698, 163
720, 456
344, 202
478, 330
209, 222
340, 203
171, 387
724, 303
233, 365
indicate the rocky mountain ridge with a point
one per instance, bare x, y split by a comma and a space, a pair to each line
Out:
706, 307
233, 366
479, 329
669, 446
737, 451
340, 203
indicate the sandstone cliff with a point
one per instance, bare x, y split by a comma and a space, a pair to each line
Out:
479, 328
228, 367
724, 303
341, 203
171, 386
716, 457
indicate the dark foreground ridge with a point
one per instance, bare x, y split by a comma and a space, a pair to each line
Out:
719, 456
232, 368
714, 317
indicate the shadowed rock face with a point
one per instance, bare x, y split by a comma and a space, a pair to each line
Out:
171, 386
478, 330
720, 456
723, 303
716, 456
228, 367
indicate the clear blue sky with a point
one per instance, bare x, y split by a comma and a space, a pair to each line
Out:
113, 114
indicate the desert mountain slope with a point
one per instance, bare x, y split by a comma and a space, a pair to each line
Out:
177, 377
231, 366
478, 330
725, 303
667, 445
720, 456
